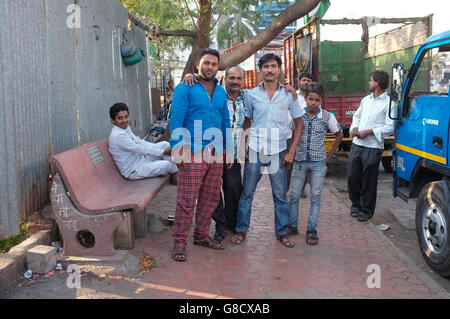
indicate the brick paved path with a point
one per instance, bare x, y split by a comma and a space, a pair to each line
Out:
258, 268
262, 268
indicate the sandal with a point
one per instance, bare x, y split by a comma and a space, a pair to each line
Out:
179, 253
210, 243
285, 241
362, 218
311, 237
238, 238
354, 214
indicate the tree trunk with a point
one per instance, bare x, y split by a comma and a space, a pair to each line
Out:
202, 31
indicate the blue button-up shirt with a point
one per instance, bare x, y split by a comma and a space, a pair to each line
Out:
198, 120
270, 122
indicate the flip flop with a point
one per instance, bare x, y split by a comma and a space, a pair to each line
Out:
210, 243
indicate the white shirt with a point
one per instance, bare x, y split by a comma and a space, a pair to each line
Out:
129, 151
373, 113
270, 123
301, 100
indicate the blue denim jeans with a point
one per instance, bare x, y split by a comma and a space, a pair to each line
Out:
317, 172
278, 180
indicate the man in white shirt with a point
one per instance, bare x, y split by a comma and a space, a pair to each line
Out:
266, 110
370, 125
136, 158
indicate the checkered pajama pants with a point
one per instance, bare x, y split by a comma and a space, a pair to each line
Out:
201, 182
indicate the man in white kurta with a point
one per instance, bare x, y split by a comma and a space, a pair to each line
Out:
136, 158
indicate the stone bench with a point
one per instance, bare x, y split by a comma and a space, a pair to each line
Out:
96, 209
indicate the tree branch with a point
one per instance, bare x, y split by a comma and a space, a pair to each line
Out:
181, 33
220, 15
190, 13
141, 24
363, 22
217, 3
378, 20
292, 13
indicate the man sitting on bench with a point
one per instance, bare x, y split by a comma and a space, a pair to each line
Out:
136, 158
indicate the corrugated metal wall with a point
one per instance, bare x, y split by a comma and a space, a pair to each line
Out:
56, 87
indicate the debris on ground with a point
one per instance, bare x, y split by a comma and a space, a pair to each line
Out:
383, 227
28, 274
146, 263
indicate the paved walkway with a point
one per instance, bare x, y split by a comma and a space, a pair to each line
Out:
261, 267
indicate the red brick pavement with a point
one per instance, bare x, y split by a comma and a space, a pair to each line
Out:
262, 268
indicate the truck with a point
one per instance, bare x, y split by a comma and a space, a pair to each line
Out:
420, 107
343, 67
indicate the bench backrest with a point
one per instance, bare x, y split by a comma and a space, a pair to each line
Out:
95, 184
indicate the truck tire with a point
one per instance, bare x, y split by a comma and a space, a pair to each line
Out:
387, 163
433, 226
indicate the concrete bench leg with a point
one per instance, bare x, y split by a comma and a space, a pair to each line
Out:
140, 224
124, 234
73, 223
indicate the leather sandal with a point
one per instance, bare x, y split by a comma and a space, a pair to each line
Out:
179, 253
238, 238
285, 241
311, 237
362, 218
354, 214
210, 243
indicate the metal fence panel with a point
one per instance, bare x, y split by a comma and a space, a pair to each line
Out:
56, 86
8, 200
29, 102
61, 58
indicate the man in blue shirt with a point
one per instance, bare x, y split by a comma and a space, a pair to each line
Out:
267, 107
198, 123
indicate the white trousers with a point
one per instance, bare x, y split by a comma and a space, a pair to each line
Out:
153, 166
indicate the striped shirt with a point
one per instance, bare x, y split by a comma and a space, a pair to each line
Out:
237, 117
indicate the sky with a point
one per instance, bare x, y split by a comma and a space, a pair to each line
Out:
354, 9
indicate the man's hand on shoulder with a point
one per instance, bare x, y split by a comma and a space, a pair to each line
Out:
291, 90
189, 79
